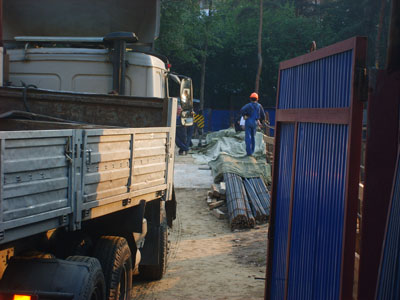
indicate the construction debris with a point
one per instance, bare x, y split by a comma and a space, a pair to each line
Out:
215, 191
222, 188
204, 168
218, 213
216, 204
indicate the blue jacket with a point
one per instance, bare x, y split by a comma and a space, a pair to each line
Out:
254, 112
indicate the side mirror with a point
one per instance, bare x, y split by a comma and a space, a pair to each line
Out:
186, 93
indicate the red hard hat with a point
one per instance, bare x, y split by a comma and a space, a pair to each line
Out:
254, 95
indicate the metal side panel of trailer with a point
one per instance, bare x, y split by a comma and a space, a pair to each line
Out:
56, 178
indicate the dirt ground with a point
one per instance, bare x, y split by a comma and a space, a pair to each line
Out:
206, 260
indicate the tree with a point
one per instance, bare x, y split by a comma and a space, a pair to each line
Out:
224, 51
259, 54
185, 38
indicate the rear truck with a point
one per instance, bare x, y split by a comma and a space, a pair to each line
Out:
87, 135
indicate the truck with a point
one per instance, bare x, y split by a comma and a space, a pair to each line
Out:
87, 142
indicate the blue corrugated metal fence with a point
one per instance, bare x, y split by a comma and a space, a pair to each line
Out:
311, 186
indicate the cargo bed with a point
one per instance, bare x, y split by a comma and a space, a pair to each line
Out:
63, 177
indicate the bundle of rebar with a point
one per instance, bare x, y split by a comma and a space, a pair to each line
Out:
247, 200
254, 201
238, 210
262, 193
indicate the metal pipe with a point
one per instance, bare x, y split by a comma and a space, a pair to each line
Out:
59, 39
393, 57
119, 41
119, 67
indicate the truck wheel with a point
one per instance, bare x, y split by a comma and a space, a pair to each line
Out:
156, 272
95, 287
116, 260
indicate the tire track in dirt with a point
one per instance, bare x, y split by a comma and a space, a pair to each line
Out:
206, 259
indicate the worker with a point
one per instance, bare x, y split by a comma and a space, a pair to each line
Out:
181, 134
252, 112
189, 134
198, 126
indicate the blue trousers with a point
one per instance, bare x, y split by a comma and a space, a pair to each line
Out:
189, 132
181, 138
249, 137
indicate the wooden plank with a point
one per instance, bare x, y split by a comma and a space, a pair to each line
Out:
216, 204
150, 136
147, 184
109, 147
215, 191
149, 152
105, 185
140, 144
146, 169
149, 160
96, 167
222, 188
149, 176
219, 214
106, 131
105, 194
91, 178
110, 156
151, 130
119, 198
108, 138
268, 139
107, 208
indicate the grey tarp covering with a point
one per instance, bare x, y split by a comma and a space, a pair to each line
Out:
225, 152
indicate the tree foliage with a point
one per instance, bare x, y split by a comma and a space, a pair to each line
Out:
289, 27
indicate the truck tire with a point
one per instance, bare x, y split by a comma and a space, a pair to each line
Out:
116, 260
156, 272
95, 287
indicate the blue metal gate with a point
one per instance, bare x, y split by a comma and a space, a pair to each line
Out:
315, 179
